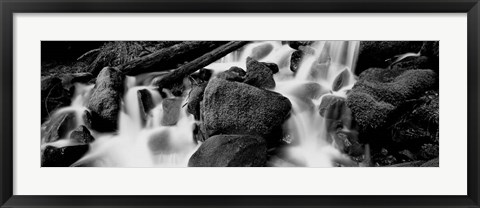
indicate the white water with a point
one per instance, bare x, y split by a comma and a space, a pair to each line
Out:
154, 145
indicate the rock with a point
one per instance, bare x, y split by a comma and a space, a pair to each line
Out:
378, 53
333, 107
431, 163
259, 75
233, 74
261, 51
54, 96
297, 44
295, 60
171, 111
81, 135
59, 126
63, 156
341, 80
145, 103
105, 100
348, 144
230, 151
194, 99
272, 66
237, 108
379, 91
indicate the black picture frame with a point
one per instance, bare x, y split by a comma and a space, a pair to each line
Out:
9, 7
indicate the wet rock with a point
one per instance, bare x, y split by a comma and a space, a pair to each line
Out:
194, 99
105, 100
145, 103
295, 60
238, 108
261, 51
259, 75
171, 111
333, 107
431, 163
381, 53
63, 156
230, 151
272, 66
58, 126
54, 96
81, 135
233, 74
296, 44
341, 80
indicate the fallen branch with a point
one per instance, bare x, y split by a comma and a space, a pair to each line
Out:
169, 58
181, 72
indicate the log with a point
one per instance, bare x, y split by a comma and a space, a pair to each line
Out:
181, 72
169, 58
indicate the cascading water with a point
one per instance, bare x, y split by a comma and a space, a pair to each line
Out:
145, 142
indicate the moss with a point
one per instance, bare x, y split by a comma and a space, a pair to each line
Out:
369, 113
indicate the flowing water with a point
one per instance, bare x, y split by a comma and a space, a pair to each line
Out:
328, 68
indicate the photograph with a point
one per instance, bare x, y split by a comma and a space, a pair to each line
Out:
262, 103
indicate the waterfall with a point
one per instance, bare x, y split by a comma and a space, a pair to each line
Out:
328, 69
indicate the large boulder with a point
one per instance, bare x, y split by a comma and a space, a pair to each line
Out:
58, 126
62, 156
238, 108
105, 100
230, 151
379, 92
259, 74
396, 112
54, 96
